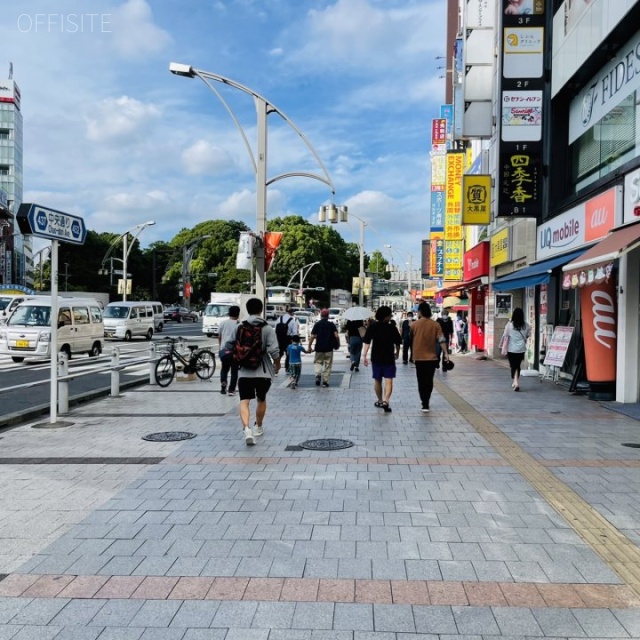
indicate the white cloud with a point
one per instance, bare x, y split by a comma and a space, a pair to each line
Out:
116, 118
204, 158
134, 32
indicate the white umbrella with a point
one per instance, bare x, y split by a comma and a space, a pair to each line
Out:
357, 313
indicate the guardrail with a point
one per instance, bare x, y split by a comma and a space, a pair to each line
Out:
114, 363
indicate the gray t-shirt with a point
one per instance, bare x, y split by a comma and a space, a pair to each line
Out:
517, 338
227, 330
271, 352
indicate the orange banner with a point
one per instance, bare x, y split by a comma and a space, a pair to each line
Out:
599, 322
272, 240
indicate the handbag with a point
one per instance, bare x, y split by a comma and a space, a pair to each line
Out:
504, 343
336, 341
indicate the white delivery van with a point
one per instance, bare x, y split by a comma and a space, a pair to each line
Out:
27, 333
218, 310
125, 320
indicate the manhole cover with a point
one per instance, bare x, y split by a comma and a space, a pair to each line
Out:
633, 445
169, 436
326, 444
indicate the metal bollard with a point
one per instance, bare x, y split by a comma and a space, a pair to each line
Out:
152, 363
115, 372
63, 385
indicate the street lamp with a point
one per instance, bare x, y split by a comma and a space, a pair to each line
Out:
126, 249
409, 272
330, 212
187, 254
259, 160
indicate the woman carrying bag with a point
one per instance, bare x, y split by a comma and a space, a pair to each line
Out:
514, 344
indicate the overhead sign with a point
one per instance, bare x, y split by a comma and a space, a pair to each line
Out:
49, 223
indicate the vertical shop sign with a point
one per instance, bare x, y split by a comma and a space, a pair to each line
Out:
522, 92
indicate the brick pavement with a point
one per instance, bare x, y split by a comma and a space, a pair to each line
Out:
424, 528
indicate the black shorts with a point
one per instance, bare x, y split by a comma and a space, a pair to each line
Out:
250, 388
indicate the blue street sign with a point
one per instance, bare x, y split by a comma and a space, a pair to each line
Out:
49, 223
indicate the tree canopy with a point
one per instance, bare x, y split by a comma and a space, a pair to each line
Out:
156, 271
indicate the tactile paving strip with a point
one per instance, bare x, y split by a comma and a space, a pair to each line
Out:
612, 546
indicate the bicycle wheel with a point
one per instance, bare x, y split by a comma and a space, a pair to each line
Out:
165, 371
205, 364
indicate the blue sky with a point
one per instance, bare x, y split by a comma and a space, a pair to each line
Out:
111, 135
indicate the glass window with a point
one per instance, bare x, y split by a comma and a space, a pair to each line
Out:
612, 141
80, 315
64, 316
96, 314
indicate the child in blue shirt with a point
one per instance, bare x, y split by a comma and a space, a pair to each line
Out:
294, 351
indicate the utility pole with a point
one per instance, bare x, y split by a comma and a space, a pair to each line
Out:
66, 276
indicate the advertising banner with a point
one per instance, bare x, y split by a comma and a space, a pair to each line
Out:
599, 322
453, 195
520, 171
438, 171
499, 251
520, 175
453, 259
476, 199
437, 211
437, 255
438, 131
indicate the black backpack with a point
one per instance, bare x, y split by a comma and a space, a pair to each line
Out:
282, 330
248, 349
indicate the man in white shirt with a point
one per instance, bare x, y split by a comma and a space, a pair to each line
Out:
227, 333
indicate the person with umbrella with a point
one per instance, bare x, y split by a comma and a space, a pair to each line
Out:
355, 330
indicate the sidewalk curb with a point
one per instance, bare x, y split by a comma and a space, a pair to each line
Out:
19, 417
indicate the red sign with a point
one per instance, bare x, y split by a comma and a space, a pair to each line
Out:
439, 131
476, 261
599, 215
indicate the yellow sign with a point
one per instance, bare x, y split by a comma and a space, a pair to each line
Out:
367, 286
476, 199
499, 248
355, 285
453, 196
453, 260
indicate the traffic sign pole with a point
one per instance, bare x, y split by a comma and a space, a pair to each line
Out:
53, 340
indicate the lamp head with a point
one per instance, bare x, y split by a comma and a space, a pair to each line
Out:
179, 69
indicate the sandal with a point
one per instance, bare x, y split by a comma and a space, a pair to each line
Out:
378, 404
386, 407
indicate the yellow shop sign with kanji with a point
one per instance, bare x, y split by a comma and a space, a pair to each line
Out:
476, 199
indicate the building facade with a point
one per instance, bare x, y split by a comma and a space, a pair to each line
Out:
15, 249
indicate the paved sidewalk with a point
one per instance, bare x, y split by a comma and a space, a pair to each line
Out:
499, 514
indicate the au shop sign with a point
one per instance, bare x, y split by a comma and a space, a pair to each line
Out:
584, 223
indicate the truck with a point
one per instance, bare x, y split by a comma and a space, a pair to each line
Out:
218, 310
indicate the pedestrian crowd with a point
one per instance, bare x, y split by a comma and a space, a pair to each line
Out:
251, 352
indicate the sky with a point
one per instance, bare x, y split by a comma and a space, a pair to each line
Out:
112, 136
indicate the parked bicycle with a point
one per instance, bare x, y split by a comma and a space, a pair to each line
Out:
202, 362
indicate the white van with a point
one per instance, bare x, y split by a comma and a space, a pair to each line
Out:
125, 320
8, 303
27, 333
158, 316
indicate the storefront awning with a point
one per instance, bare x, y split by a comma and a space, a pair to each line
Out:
616, 244
539, 273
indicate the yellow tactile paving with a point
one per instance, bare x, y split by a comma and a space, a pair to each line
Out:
614, 548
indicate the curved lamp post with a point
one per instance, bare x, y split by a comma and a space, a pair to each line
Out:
259, 160
126, 250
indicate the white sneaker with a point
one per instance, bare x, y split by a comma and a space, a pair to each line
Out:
248, 438
257, 431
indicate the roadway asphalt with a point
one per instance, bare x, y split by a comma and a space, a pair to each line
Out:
497, 515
